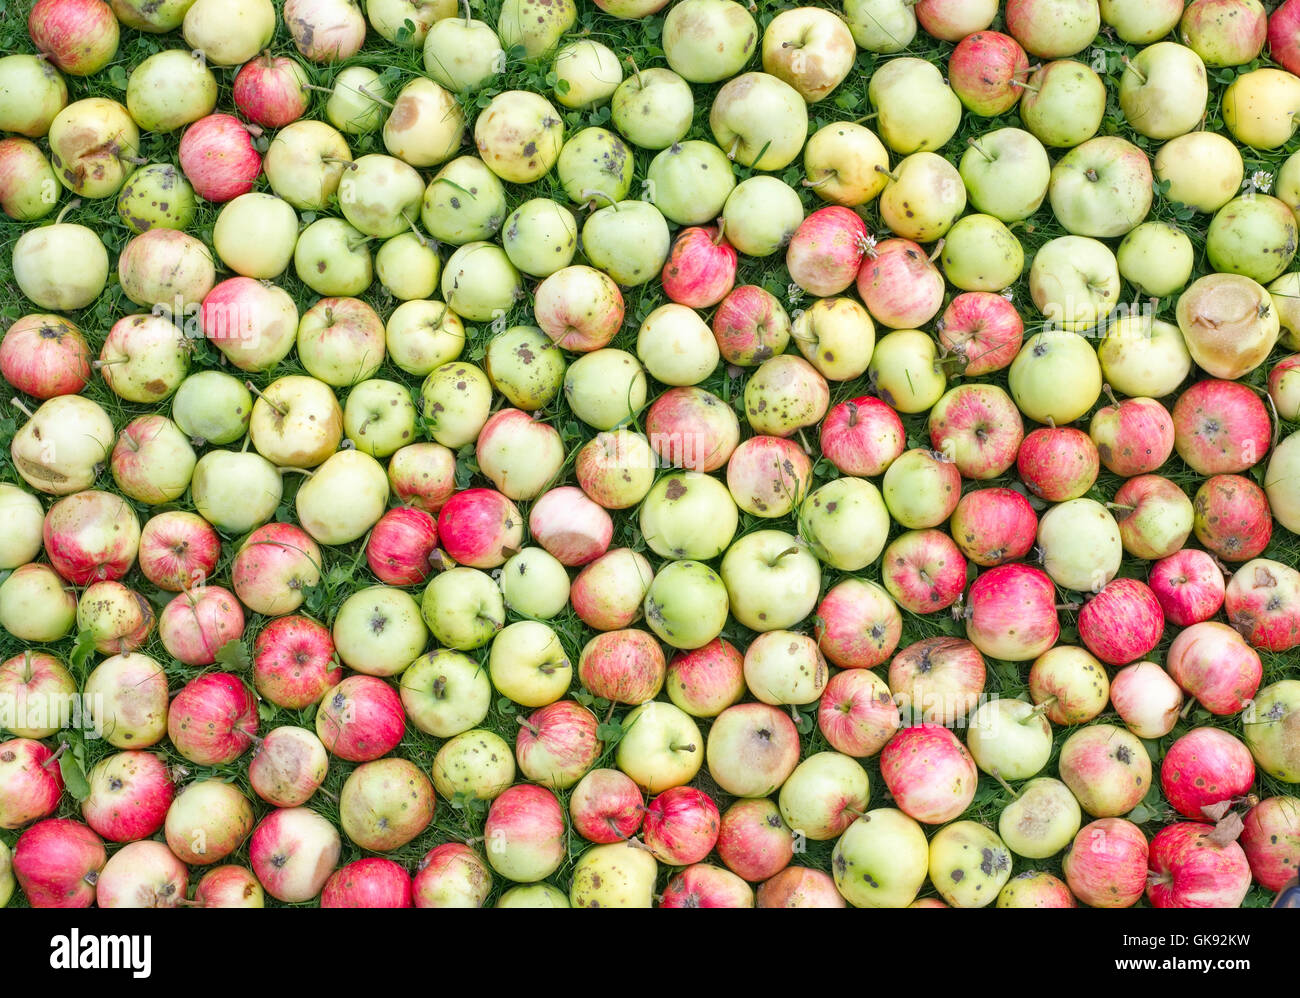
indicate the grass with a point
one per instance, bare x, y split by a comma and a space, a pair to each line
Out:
345, 572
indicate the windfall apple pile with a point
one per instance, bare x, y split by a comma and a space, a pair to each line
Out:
642, 453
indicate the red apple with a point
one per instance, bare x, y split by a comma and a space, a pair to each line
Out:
979, 428
78, 36
1233, 518
862, 437
857, 714
952, 20
403, 546
681, 826
293, 662
1106, 768
1122, 623
1213, 663
750, 326
606, 806
701, 269
706, 886
451, 875
44, 356
361, 719
1204, 767
800, 887
1188, 585
987, 71
938, 679
525, 833
557, 744
1147, 699
1011, 612
229, 886
143, 874
130, 793
1154, 516
57, 864
706, 681
982, 328
1190, 869
91, 537
1284, 36
1221, 427
1262, 601
1228, 32
218, 158
769, 476
623, 666
826, 250
609, 592
178, 550
1106, 864
899, 284
688, 428
580, 308
1036, 889
753, 839
858, 626
993, 526
1133, 437
1058, 463
924, 571
572, 528
197, 624
423, 475
368, 883
293, 851
213, 720
37, 694
929, 773
480, 528
30, 782
1271, 840
274, 568
271, 90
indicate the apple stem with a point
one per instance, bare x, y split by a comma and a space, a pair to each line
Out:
1128, 64
301, 471
688, 747
27, 666
420, 236
328, 795
636, 71
722, 227
1039, 710
609, 713
258, 392
1005, 785
74, 203
866, 117
63, 747
1106, 390
340, 160
1068, 606
1187, 708
888, 173
243, 448
1277, 422
18, 404
1026, 86
369, 96
99, 364
257, 131
1120, 505
464, 6
938, 248
979, 149
830, 175
523, 722
590, 195
638, 844
735, 144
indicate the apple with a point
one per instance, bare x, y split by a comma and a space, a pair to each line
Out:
916, 109
900, 285
753, 839
288, 766
1143, 357
305, 162
1035, 889
857, 714
367, 883
1146, 699
57, 864
293, 851
921, 488
1058, 463
528, 664
687, 428
1106, 864
607, 594
1271, 735
824, 795
384, 804
782, 667
293, 662
80, 37
1233, 520
403, 547
340, 342
1214, 664
462, 53
34, 604
523, 363
271, 90
445, 693
40, 257
840, 160
1064, 103
476, 763
768, 476
1190, 868
199, 622
772, 580
619, 875
752, 749
1221, 427
1156, 259
1006, 173
977, 425
252, 323
360, 719
605, 388
937, 679
1122, 623
661, 747
1106, 768
332, 258
1188, 585
1269, 840
969, 864
557, 744
379, 631
701, 268
45, 356
862, 437
31, 780
1204, 767
688, 515
606, 807
1229, 324
451, 875
144, 874
119, 619
1041, 820
983, 329
213, 719
37, 694
881, 861
689, 33
524, 833
931, 189
979, 253
924, 571
24, 517
156, 196
929, 773
681, 826
152, 461
1261, 604
423, 475
1252, 236
905, 371
706, 886
91, 537
31, 93
1011, 613
1157, 520
144, 357
28, 187
1133, 437
207, 821
689, 182
883, 26
1071, 683
1283, 386
463, 608
127, 698
1082, 549
706, 681
625, 666
407, 132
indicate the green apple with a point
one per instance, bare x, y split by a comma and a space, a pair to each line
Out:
379, 631
628, 240
333, 259
31, 188
687, 514
423, 335
1270, 735
480, 283
772, 580
1042, 820
156, 196
527, 664
426, 124
916, 109
267, 255
465, 202
170, 89
905, 370
1253, 235
213, 407
686, 605
1143, 357
379, 417
969, 864
1259, 108
1156, 259
782, 668
924, 196
457, 399
346, 473
408, 267
617, 875
1010, 739
1141, 22
534, 896
840, 163
463, 608
535, 584
297, 422
881, 860
653, 108
587, 73
1280, 480
7, 882
918, 488
1006, 173
36, 606
1074, 282
1081, 545
1063, 104
446, 693
1163, 90
709, 40
235, 491
537, 25
540, 237
1229, 323
1203, 169
477, 763
882, 26
1055, 377
595, 167
760, 215
981, 254
380, 195
837, 336
824, 795
1285, 294
1101, 188
519, 135
462, 53
356, 103
689, 182
760, 120
676, 346
525, 366
605, 388
661, 747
